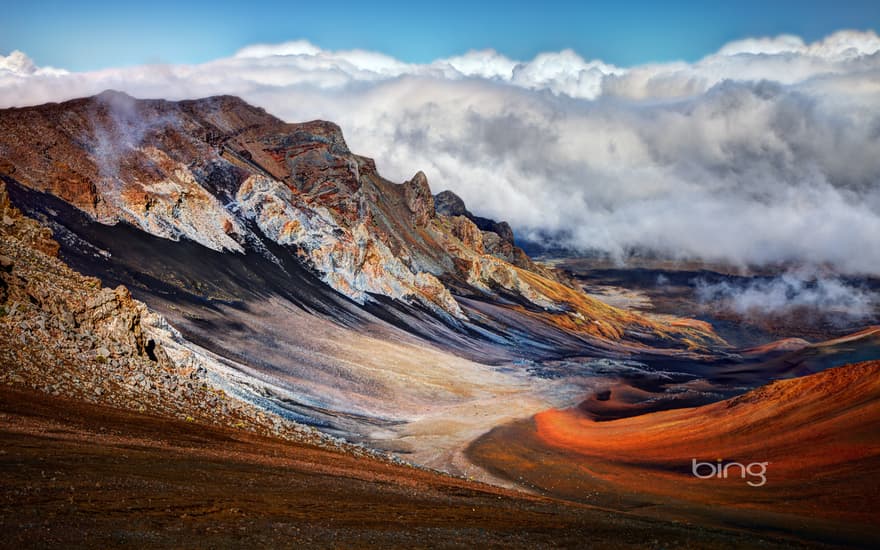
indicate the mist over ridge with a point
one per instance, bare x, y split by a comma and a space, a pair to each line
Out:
765, 152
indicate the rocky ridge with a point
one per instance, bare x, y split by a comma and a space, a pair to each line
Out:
497, 238
217, 171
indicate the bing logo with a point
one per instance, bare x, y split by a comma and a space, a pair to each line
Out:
721, 470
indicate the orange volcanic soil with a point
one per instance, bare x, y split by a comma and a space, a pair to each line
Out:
77, 475
820, 435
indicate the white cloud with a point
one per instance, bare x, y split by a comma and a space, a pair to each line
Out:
766, 151
775, 45
836, 47
564, 73
294, 47
794, 291
17, 64
484, 64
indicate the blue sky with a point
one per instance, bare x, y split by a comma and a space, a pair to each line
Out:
98, 34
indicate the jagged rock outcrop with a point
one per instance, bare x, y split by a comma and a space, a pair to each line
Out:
450, 204
419, 199
498, 239
349, 259
468, 233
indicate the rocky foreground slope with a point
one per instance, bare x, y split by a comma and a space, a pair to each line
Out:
66, 335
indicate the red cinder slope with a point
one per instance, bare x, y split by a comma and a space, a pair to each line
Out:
818, 437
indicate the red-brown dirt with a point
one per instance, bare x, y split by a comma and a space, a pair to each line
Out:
82, 475
820, 435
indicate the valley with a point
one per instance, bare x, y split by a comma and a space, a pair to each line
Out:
263, 292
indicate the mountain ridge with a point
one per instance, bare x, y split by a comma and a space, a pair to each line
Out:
209, 170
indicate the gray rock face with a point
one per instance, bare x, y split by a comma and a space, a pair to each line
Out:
504, 231
448, 203
497, 237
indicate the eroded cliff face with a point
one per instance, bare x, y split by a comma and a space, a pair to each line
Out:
216, 171
497, 238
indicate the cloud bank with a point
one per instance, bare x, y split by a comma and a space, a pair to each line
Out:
765, 152
794, 292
